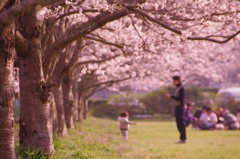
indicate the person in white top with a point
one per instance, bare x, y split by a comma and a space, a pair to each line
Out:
208, 120
125, 124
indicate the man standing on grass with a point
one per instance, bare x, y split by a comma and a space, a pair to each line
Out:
178, 96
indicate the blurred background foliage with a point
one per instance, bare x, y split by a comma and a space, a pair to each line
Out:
154, 102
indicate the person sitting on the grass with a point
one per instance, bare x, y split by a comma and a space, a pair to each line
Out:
219, 111
219, 125
230, 120
199, 112
208, 120
125, 124
189, 119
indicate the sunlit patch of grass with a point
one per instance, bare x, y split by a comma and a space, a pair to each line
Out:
29, 154
96, 140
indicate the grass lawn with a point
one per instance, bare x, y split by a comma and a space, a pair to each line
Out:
98, 138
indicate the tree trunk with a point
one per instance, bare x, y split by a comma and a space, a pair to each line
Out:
58, 95
81, 107
35, 117
7, 55
85, 112
75, 98
84, 105
54, 118
35, 123
68, 102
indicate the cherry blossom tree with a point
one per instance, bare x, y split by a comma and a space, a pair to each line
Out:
156, 29
84, 46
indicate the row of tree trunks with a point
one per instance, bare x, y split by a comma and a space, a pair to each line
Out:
7, 56
71, 107
40, 114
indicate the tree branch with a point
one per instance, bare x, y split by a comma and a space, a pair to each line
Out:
95, 11
154, 20
3, 3
67, 14
70, 66
106, 42
214, 40
136, 29
109, 83
95, 90
95, 61
17, 9
52, 52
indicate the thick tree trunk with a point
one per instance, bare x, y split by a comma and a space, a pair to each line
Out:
7, 55
58, 95
68, 102
35, 117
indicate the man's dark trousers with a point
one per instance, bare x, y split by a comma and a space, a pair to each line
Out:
179, 114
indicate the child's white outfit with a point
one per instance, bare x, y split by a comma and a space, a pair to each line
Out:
124, 126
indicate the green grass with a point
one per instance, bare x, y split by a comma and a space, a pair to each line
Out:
98, 138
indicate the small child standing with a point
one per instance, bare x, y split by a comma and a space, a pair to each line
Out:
124, 124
